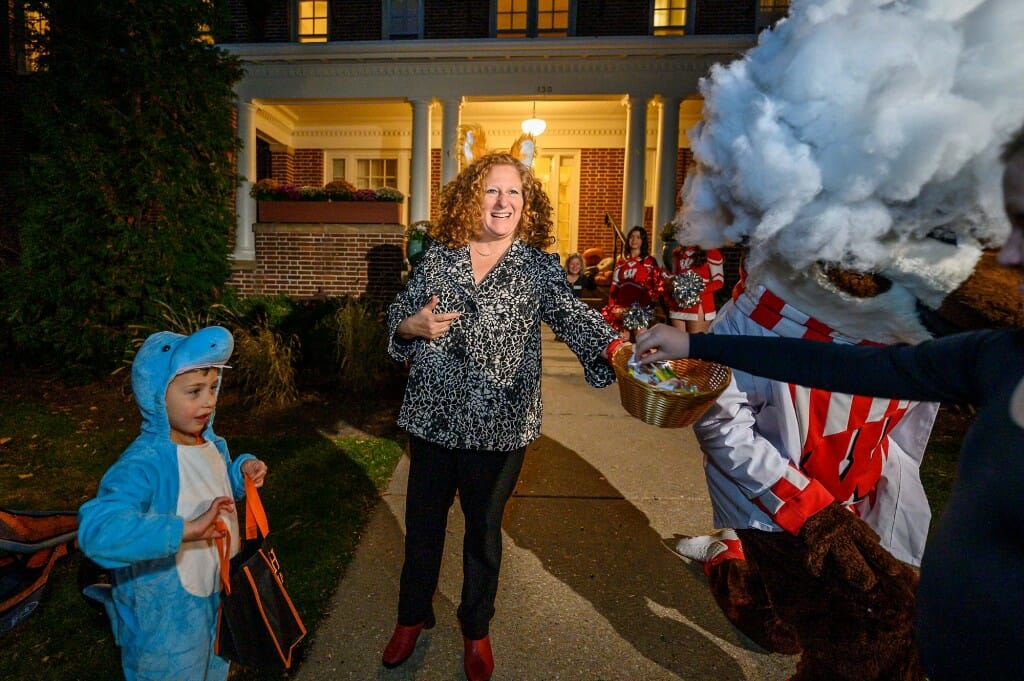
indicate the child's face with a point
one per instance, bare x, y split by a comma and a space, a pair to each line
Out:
191, 398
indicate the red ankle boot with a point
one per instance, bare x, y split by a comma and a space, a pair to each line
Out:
479, 661
402, 642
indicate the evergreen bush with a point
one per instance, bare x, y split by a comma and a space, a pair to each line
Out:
126, 201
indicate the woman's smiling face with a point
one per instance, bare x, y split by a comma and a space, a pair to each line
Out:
502, 203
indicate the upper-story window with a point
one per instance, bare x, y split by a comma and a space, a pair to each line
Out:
534, 18
312, 21
668, 17
770, 11
403, 19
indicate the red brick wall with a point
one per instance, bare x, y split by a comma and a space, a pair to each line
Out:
266, 21
456, 19
309, 167
282, 164
307, 261
600, 192
612, 17
354, 20
724, 17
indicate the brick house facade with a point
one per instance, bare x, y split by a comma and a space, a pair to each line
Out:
289, 87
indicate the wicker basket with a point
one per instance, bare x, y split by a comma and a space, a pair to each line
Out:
669, 408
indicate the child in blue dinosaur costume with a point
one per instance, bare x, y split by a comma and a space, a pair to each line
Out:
160, 507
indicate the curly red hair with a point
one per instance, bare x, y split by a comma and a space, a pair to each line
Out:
461, 205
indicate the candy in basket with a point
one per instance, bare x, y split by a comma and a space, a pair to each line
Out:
671, 394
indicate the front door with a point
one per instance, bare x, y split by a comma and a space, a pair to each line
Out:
557, 172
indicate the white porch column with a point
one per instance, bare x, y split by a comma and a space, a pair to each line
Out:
450, 151
245, 205
667, 153
633, 173
419, 201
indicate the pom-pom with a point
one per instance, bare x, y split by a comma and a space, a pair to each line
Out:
687, 288
637, 317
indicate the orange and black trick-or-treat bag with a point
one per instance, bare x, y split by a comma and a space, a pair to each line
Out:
257, 625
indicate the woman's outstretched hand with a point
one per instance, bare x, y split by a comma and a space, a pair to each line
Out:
427, 324
662, 342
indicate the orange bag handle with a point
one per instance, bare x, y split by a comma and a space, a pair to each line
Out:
223, 552
255, 517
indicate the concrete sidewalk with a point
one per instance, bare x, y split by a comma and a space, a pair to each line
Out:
589, 589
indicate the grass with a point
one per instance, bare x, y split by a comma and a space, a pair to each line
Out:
56, 444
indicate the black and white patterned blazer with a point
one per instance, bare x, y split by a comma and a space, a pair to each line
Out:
478, 386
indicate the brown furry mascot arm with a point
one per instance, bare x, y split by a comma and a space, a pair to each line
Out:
835, 536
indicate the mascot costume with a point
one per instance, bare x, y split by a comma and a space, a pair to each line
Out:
853, 153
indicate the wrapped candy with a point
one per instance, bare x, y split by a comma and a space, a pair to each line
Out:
687, 288
638, 317
660, 375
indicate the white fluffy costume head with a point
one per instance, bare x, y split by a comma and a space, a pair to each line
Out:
859, 142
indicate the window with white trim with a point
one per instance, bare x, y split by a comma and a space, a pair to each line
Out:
534, 18
402, 19
374, 173
311, 21
668, 17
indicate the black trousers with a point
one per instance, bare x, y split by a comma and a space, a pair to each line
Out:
484, 481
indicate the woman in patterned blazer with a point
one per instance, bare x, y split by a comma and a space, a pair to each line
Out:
469, 323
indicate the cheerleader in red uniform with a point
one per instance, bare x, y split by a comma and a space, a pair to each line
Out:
637, 280
696, 318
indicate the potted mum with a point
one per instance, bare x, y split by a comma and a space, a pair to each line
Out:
416, 241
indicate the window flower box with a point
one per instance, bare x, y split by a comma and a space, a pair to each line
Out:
338, 212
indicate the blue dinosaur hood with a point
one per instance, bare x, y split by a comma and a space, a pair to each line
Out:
163, 356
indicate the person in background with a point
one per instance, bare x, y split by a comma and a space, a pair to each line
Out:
160, 507
469, 321
969, 620
637, 282
708, 265
577, 278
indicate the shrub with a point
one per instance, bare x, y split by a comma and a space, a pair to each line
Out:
364, 195
361, 344
138, 137
263, 361
264, 365
314, 323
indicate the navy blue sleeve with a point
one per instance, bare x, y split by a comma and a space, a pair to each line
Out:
939, 370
